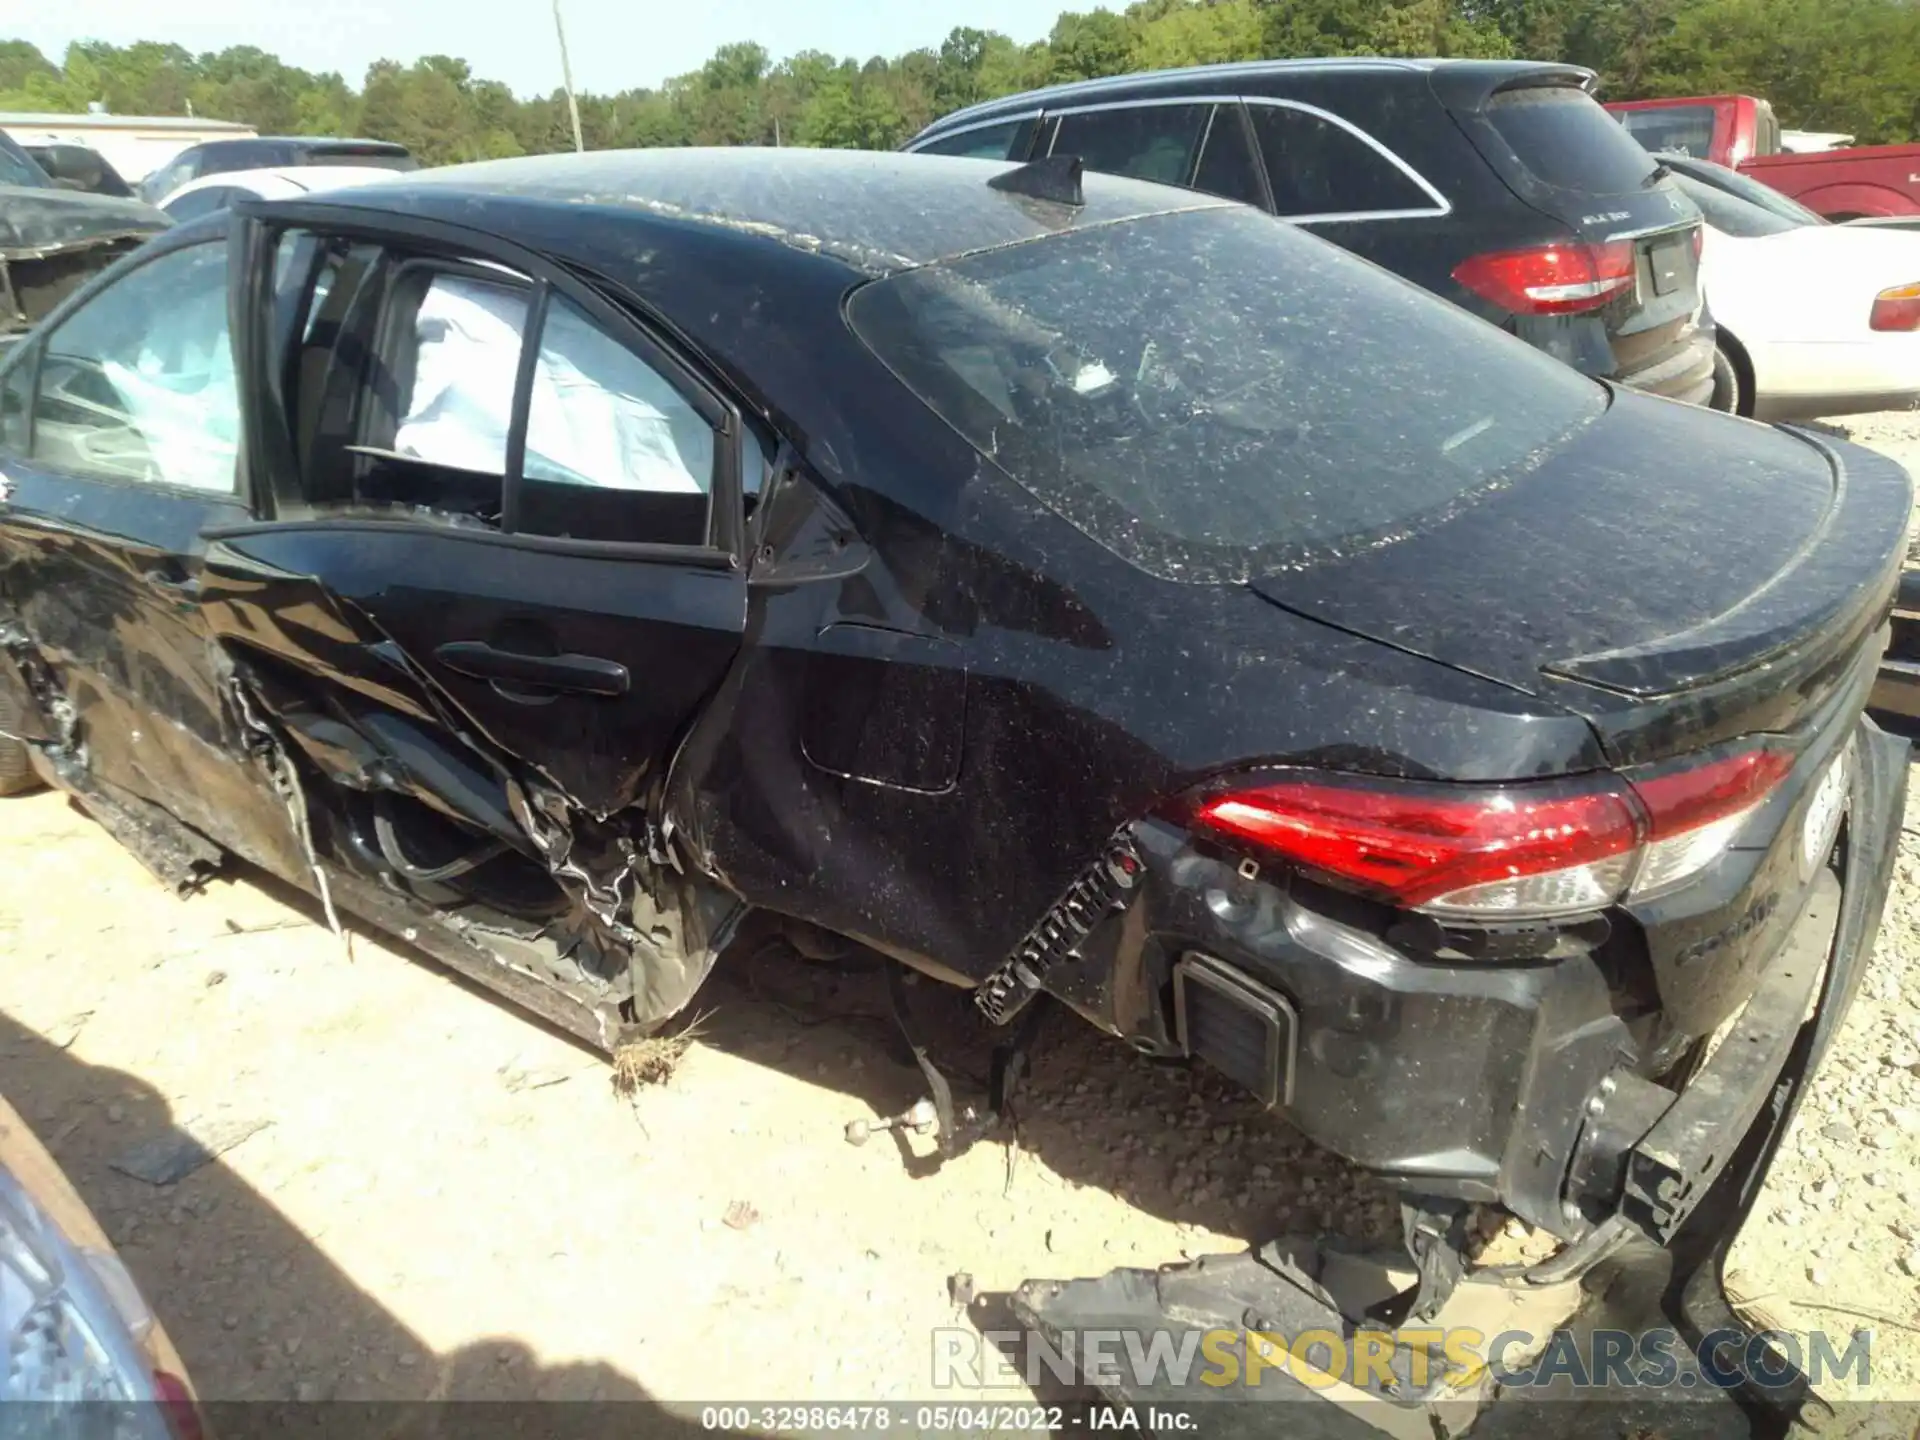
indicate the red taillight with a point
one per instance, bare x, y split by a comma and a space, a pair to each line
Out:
1551, 279
1897, 309
1515, 851
1415, 844
1686, 799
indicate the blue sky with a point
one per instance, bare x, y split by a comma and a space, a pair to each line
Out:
614, 44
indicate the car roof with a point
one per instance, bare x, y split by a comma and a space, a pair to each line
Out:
1484, 76
280, 181
874, 211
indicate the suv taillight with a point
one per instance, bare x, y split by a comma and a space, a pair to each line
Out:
1897, 309
1563, 279
1503, 852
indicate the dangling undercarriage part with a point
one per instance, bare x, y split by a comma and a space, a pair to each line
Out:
567, 914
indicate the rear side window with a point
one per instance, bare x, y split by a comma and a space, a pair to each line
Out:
1147, 142
1214, 394
1563, 138
1319, 167
989, 142
1675, 130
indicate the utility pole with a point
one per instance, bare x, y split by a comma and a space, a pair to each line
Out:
566, 77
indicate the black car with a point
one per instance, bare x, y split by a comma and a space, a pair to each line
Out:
269, 152
55, 237
80, 167
1502, 186
1061, 585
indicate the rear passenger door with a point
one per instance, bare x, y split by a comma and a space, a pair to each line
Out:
504, 516
1196, 144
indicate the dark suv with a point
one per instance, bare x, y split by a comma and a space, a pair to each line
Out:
271, 152
1501, 185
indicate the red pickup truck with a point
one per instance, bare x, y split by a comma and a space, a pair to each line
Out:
1740, 131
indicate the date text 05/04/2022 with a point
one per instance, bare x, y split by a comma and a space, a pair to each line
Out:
925, 1419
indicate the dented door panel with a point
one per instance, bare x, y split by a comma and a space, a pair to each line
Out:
374, 609
102, 580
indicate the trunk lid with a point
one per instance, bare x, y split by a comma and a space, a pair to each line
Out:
1666, 561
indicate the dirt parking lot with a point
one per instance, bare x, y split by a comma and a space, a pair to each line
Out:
428, 1195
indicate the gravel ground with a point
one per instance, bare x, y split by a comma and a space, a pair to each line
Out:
1837, 1241
445, 1199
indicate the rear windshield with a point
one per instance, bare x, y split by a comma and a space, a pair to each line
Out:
1564, 139
362, 159
1675, 129
1215, 394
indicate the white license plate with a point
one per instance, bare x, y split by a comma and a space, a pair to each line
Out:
1824, 812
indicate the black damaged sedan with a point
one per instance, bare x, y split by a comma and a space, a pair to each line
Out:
1061, 585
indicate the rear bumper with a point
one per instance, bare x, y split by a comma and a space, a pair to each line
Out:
1494, 1067
1684, 372
1692, 1179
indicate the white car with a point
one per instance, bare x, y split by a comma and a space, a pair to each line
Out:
216, 192
1814, 318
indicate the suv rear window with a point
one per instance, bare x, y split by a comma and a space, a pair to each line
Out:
1215, 394
1566, 140
364, 159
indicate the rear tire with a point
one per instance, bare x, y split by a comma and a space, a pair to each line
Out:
16, 765
1729, 394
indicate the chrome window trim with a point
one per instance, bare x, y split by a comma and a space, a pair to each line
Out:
921, 142
1230, 70
1441, 205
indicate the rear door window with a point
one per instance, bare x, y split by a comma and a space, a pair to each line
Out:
421, 420
1147, 142
1563, 138
1214, 394
1318, 166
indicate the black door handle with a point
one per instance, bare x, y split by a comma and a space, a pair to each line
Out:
585, 674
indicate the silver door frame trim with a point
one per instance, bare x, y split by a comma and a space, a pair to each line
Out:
1441, 205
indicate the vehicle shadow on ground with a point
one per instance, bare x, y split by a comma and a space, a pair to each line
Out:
1173, 1140
276, 1337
